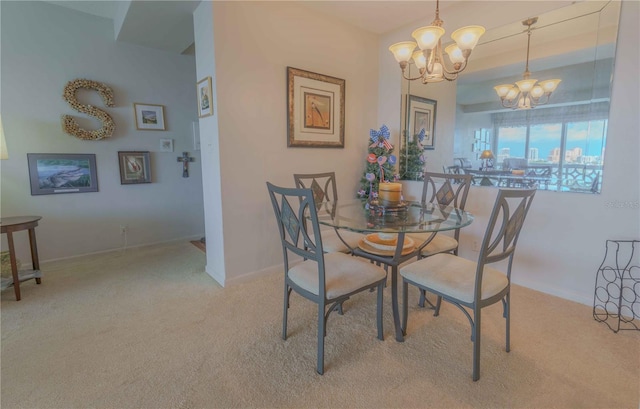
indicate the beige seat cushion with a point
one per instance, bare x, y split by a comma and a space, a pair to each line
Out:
441, 243
343, 274
454, 276
331, 243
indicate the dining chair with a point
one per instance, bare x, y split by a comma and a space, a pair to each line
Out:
438, 188
327, 279
473, 285
324, 190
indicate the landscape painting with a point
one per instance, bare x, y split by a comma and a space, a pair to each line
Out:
52, 173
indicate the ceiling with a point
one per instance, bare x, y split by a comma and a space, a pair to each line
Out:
168, 25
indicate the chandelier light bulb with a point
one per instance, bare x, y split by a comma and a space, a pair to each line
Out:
512, 94
428, 37
503, 89
403, 51
537, 91
525, 85
549, 85
467, 37
455, 54
419, 59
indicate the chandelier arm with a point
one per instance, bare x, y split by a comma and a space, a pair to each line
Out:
454, 71
413, 78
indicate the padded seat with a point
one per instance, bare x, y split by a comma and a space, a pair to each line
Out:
331, 243
441, 243
455, 276
344, 274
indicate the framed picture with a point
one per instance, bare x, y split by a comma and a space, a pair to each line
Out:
134, 167
52, 173
205, 101
422, 115
315, 109
149, 117
166, 145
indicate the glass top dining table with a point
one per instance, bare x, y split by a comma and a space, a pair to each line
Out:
392, 221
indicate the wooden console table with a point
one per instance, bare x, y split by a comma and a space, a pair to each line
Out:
9, 225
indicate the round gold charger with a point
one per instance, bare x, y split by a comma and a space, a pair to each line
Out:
373, 244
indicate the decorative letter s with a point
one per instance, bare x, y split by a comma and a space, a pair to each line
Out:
70, 126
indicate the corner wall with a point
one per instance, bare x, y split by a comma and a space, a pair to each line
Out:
255, 42
43, 47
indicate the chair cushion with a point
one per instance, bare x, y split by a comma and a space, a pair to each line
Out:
331, 243
441, 243
454, 276
343, 274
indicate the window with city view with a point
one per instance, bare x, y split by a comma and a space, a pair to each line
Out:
568, 140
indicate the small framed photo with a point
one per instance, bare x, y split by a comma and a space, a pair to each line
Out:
205, 102
166, 145
149, 117
134, 167
53, 173
316, 110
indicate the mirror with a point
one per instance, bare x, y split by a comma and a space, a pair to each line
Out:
558, 145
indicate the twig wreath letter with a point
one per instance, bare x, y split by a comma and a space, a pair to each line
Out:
70, 126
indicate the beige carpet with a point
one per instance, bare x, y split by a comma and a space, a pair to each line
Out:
149, 329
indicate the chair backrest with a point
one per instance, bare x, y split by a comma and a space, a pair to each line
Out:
464, 163
323, 185
503, 229
295, 235
455, 169
438, 188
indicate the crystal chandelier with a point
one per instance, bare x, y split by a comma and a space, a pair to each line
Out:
526, 94
429, 58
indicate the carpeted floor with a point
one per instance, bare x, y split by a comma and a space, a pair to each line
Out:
148, 328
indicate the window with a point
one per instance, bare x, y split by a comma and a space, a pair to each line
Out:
571, 139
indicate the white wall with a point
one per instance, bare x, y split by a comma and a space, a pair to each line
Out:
255, 42
210, 142
43, 47
563, 241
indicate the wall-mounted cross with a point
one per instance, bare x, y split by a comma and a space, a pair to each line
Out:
185, 159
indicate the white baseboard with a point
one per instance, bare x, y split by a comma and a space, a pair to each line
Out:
120, 249
567, 295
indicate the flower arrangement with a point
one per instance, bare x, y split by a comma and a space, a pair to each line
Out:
380, 165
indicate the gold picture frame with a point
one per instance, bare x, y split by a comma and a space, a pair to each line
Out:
205, 97
149, 117
316, 110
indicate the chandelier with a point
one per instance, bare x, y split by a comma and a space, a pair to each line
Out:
429, 58
526, 94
